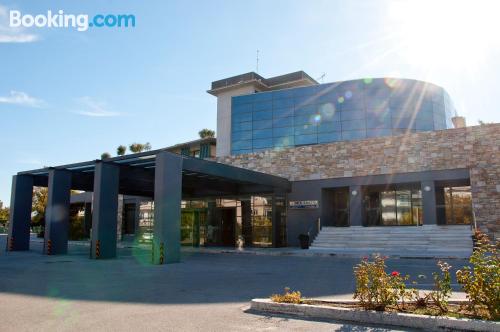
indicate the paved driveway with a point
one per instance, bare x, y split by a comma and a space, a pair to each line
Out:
205, 292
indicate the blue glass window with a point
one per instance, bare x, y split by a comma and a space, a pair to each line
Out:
378, 132
264, 115
283, 141
378, 122
306, 139
280, 94
353, 125
283, 112
402, 123
305, 129
262, 143
283, 103
329, 126
263, 106
307, 110
242, 126
352, 115
329, 137
304, 119
242, 135
262, 124
286, 131
242, 117
263, 133
245, 108
353, 134
240, 145
283, 122
424, 124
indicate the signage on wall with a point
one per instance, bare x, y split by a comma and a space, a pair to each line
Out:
304, 204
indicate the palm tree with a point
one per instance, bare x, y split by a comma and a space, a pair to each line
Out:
121, 150
105, 155
205, 133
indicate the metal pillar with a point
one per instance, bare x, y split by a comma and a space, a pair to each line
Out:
429, 202
20, 213
355, 206
167, 212
57, 213
104, 210
87, 218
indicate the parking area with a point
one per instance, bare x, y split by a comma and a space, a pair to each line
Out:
205, 292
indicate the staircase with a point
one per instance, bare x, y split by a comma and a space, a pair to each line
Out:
403, 241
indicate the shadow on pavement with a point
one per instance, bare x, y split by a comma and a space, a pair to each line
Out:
199, 278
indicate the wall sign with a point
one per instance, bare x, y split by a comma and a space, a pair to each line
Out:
304, 204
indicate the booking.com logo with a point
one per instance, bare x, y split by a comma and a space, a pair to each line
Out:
80, 22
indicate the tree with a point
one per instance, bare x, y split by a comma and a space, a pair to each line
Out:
39, 203
205, 133
121, 150
4, 214
105, 155
139, 147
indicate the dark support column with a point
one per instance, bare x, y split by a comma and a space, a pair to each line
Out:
20, 213
246, 222
105, 210
278, 206
355, 206
429, 202
87, 218
57, 213
168, 195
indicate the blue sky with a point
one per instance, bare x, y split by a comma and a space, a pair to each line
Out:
67, 96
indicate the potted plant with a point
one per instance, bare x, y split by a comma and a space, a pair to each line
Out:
304, 241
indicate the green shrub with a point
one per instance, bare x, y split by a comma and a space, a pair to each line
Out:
375, 289
481, 281
287, 297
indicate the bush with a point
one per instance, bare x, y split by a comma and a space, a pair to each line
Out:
481, 280
287, 297
442, 286
375, 289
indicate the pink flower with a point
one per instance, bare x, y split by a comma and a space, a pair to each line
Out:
365, 258
395, 274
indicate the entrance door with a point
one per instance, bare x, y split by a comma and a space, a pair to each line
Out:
341, 207
228, 220
129, 219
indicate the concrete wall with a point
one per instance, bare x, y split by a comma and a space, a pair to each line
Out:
474, 148
224, 118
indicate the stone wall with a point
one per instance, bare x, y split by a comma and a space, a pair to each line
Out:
476, 148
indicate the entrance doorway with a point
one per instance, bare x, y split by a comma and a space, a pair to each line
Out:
221, 227
336, 207
227, 220
386, 206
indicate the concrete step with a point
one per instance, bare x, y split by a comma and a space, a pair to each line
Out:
424, 241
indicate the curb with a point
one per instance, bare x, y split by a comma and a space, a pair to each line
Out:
428, 323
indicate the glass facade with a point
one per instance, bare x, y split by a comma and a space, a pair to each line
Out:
454, 205
332, 112
224, 221
393, 207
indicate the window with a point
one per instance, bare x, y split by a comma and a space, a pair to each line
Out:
457, 205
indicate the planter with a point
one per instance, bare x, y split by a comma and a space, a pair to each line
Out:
427, 323
304, 241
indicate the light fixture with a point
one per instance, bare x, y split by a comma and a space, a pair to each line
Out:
354, 192
427, 188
